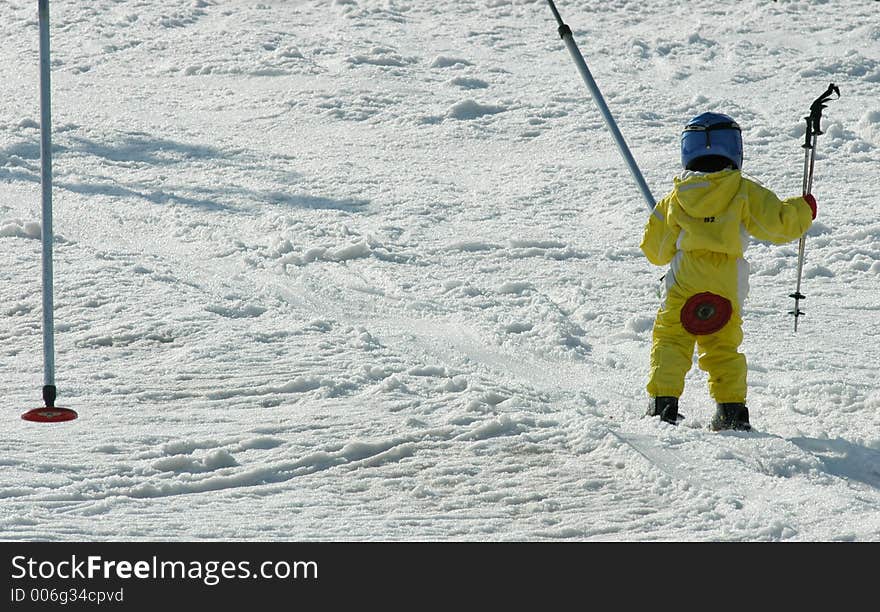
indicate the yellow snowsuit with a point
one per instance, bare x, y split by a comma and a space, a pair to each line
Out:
706, 222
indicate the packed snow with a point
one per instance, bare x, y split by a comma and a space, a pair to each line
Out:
369, 270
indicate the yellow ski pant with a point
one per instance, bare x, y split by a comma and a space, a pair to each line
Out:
672, 354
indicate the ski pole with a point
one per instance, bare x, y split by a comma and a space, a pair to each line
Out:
813, 131
566, 35
50, 413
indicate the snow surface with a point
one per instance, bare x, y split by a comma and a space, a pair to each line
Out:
369, 270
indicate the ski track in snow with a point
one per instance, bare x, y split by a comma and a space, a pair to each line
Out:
369, 270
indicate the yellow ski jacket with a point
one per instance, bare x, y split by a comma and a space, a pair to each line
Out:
705, 225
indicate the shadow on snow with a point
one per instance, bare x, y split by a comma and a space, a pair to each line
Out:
20, 162
844, 459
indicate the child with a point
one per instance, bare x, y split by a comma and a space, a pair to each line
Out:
702, 232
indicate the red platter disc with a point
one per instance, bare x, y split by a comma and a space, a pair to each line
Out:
49, 415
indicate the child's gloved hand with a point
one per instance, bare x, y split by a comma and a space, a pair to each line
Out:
812, 202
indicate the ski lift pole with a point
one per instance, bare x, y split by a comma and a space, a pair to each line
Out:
568, 38
50, 413
811, 135
46, 193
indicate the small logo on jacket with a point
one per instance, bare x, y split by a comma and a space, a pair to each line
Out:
708, 219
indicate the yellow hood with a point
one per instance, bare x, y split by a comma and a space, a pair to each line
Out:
706, 195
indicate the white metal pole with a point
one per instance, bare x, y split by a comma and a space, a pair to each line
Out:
565, 33
46, 184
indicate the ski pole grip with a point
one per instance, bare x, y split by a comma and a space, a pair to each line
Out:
808, 134
816, 107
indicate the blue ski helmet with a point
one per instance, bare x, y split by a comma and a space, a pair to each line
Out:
712, 134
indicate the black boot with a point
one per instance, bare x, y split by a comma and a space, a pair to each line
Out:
665, 407
731, 416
